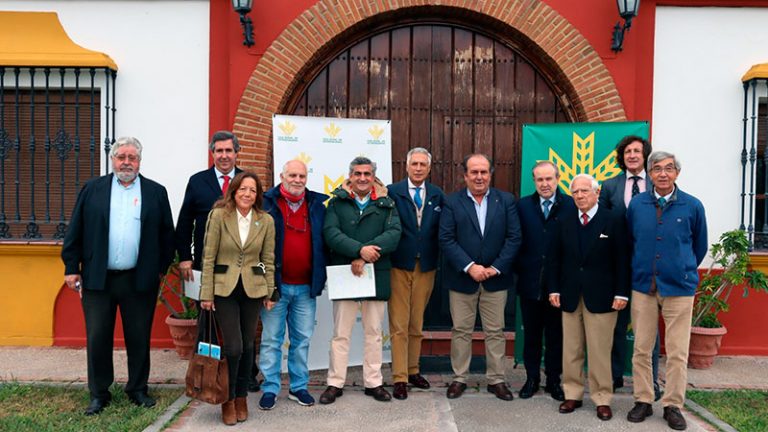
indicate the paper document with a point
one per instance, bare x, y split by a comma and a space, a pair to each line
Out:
342, 284
192, 288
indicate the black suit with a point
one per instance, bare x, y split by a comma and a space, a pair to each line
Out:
85, 252
540, 318
203, 190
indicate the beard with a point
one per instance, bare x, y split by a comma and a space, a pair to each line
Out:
126, 176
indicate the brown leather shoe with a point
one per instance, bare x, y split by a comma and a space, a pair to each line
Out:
604, 412
228, 415
455, 390
378, 393
418, 381
639, 412
674, 418
330, 394
501, 391
241, 408
400, 391
569, 406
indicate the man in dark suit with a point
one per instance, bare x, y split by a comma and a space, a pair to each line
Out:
631, 154
118, 245
480, 237
589, 282
539, 216
414, 265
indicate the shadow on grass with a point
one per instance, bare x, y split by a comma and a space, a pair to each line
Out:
745, 410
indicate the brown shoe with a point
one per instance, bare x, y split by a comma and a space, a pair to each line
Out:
330, 394
228, 415
455, 390
378, 393
569, 406
639, 412
418, 381
241, 408
674, 418
400, 391
604, 412
501, 391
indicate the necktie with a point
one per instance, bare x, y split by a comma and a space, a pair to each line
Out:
662, 201
417, 197
225, 185
545, 208
584, 219
635, 187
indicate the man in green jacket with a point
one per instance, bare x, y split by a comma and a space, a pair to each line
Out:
361, 226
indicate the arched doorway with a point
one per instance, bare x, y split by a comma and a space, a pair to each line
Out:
447, 86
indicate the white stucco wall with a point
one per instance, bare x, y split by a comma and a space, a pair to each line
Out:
700, 56
161, 49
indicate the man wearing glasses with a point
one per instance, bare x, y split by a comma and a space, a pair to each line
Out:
668, 231
300, 277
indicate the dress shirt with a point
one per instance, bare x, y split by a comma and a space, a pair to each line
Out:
124, 224
590, 214
244, 224
668, 197
219, 175
481, 210
628, 185
422, 195
550, 199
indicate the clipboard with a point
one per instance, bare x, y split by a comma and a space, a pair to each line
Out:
343, 285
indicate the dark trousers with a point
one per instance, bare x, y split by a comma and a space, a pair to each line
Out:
136, 310
619, 351
543, 325
238, 316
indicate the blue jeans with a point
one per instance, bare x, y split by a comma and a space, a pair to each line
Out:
296, 308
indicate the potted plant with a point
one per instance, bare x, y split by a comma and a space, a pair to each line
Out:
731, 257
182, 318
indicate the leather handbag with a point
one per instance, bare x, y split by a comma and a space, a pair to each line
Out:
208, 377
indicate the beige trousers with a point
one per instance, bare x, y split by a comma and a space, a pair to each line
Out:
676, 312
344, 317
463, 313
596, 330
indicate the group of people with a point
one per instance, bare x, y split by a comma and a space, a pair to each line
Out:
580, 263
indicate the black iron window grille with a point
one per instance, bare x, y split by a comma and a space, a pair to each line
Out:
54, 123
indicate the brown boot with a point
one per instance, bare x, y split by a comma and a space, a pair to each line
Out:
228, 415
241, 408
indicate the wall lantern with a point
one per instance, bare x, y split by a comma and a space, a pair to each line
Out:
243, 7
627, 10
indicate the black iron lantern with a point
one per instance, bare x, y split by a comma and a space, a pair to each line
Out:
627, 10
243, 7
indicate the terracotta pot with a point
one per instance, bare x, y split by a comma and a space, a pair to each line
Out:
704, 345
184, 334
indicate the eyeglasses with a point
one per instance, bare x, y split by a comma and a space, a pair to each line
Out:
669, 169
130, 158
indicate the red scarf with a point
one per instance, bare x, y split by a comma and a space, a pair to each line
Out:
291, 198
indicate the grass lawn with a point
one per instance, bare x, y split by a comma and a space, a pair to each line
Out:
745, 410
41, 408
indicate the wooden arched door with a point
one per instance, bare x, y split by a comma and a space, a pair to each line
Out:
449, 88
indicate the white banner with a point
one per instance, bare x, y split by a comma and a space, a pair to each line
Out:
327, 146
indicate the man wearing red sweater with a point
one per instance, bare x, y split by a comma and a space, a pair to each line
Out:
300, 275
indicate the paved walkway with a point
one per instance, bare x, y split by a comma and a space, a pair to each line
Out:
424, 411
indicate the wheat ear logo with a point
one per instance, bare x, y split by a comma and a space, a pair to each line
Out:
304, 158
332, 130
287, 127
583, 161
375, 131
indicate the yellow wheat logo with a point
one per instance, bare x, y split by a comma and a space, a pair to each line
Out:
583, 161
287, 127
375, 131
304, 158
332, 130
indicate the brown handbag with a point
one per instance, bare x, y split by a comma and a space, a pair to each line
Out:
207, 377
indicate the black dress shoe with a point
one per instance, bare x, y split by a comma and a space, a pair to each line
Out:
529, 389
604, 412
400, 391
418, 381
674, 418
556, 391
455, 390
330, 394
96, 406
501, 391
142, 399
378, 393
570, 406
639, 412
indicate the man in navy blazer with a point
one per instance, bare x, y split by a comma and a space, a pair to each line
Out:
480, 238
540, 213
414, 264
118, 244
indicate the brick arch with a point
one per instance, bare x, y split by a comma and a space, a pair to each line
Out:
310, 38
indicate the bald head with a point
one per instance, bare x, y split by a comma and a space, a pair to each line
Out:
294, 177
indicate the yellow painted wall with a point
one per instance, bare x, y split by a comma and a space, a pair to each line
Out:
31, 276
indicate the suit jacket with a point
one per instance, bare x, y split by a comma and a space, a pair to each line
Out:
415, 240
226, 259
612, 192
532, 264
86, 243
202, 191
598, 269
462, 242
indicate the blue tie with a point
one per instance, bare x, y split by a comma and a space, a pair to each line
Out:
545, 208
417, 198
662, 201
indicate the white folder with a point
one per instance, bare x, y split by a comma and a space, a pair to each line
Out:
192, 288
342, 284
